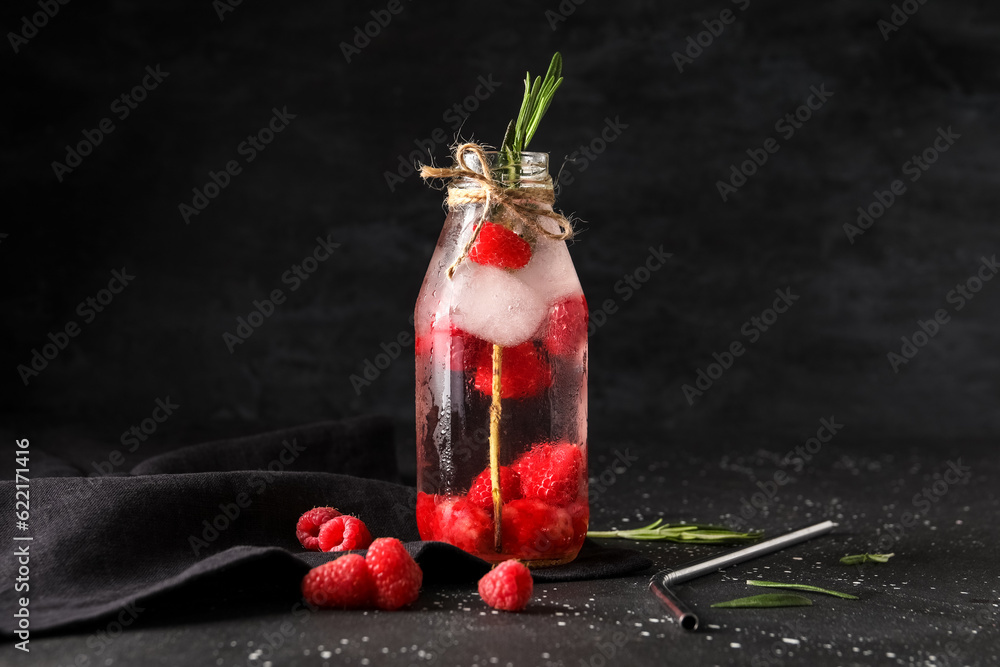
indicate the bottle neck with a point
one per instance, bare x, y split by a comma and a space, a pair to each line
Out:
530, 170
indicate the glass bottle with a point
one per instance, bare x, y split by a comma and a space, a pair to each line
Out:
501, 379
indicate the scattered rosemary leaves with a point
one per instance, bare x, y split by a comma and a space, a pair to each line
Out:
859, 559
801, 587
676, 532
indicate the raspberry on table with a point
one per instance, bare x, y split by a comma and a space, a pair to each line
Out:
310, 523
481, 492
344, 583
344, 533
524, 372
567, 328
507, 587
551, 472
396, 575
500, 247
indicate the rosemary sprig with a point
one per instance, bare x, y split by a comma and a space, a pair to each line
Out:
766, 600
537, 98
858, 559
678, 532
801, 587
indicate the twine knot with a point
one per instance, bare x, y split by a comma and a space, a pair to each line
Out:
527, 205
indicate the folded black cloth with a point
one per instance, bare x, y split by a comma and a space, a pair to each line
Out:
181, 523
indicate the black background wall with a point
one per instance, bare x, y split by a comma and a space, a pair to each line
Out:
349, 124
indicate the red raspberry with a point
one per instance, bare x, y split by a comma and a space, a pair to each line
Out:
567, 330
307, 529
481, 492
551, 472
533, 529
427, 522
524, 372
396, 575
507, 587
344, 583
344, 533
464, 525
466, 352
469, 352
500, 247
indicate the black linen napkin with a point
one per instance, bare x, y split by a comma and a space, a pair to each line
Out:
182, 522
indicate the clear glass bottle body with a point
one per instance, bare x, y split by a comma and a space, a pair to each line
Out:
501, 364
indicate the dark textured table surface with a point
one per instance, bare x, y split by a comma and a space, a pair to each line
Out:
934, 603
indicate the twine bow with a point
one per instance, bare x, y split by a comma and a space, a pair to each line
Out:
524, 204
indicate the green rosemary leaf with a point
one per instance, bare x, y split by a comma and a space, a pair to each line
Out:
525, 106
765, 601
544, 103
529, 115
687, 533
508, 138
537, 98
858, 559
801, 587
555, 67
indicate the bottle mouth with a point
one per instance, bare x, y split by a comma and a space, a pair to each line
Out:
531, 169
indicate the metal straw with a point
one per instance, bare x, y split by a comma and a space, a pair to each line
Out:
688, 619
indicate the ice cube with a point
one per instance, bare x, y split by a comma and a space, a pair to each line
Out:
550, 273
495, 305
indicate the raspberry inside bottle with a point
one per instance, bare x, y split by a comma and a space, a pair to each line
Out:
501, 371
